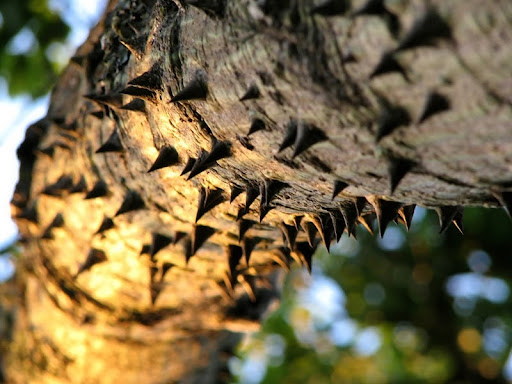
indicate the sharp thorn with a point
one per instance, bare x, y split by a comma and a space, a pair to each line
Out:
166, 157
337, 188
208, 199
99, 189
106, 224
200, 234
350, 214
425, 30
113, 100
158, 242
446, 215
434, 103
113, 144
136, 105
290, 136
234, 256
196, 89
390, 119
188, 166
388, 64
386, 212
252, 93
406, 213
151, 79
289, 234
235, 191
95, 256
132, 201
310, 230
256, 125
307, 135
397, 169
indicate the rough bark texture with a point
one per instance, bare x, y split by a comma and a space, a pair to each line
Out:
402, 101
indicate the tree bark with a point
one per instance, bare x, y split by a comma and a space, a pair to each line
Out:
397, 104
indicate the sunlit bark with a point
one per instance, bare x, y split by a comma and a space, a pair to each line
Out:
405, 104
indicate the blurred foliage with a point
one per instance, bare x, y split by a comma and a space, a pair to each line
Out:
28, 30
415, 307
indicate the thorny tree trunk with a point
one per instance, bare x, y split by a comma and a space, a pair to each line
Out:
402, 101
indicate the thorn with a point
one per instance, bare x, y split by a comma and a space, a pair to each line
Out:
307, 135
364, 221
269, 189
249, 285
178, 235
429, 27
290, 136
136, 105
325, 228
106, 224
220, 150
241, 213
200, 234
243, 227
29, 214
166, 157
397, 169
235, 191
338, 223
386, 212
388, 64
113, 144
165, 268
141, 93
505, 199
136, 46
188, 166
57, 222
289, 234
99, 189
256, 125
252, 93
458, 220
150, 80
310, 230
446, 215
234, 256
349, 211
98, 114
146, 248
307, 251
196, 89
132, 201
389, 119
95, 256
337, 188
435, 103
80, 186
158, 242
330, 8
251, 194
281, 256
406, 213
208, 199
112, 100
296, 222
56, 189
360, 204
248, 246
264, 209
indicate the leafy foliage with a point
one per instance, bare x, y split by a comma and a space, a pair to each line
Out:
412, 307
28, 29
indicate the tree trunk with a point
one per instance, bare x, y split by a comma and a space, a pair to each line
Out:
136, 264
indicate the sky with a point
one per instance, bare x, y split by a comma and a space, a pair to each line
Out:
19, 112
